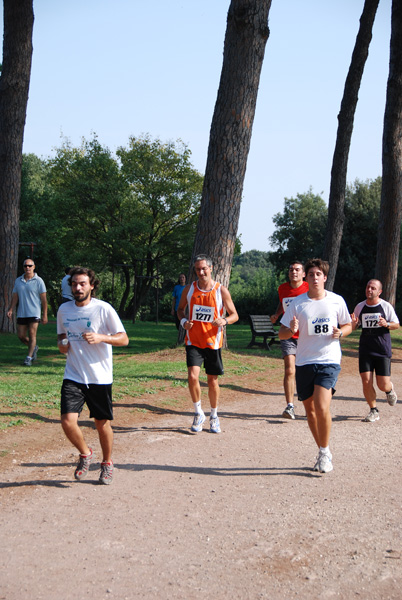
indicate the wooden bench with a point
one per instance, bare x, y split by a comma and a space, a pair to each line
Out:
261, 326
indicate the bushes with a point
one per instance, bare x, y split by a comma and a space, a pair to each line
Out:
258, 295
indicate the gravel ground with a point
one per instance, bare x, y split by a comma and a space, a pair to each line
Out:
238, 515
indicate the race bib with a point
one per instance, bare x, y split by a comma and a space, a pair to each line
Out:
203, 313
320, 326
370, 320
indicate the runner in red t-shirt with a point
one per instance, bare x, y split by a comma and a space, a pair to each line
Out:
287, 291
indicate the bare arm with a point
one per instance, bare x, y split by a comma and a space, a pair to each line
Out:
355, 321
117, 339
14, 301
43, 301
286, 333
342, 330
181, 309
389, 324
277, 313
232, 315
63, 346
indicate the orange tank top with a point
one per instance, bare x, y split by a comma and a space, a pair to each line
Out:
204, 307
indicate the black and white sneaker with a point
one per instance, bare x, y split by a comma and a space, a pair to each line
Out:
391, 396
289, 412
372, 416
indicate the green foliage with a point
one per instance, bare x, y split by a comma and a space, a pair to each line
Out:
40, 223
253, 284
300, 230
132, 217
168, 192
357, 255
300, 234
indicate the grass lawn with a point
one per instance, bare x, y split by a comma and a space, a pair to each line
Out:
149, 365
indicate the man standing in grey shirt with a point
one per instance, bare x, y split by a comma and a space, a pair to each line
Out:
29, 293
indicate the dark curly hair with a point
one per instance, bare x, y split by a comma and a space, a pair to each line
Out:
93, 280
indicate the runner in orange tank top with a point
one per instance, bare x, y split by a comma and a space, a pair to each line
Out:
206, 300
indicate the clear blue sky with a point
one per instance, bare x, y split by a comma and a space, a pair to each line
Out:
127, 67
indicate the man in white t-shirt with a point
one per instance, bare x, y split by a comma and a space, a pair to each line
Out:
377, 318
86, 331
66, 293
322, 318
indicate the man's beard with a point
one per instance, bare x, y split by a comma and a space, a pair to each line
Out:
81, 298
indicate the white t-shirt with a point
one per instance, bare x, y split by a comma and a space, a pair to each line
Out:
88, 363
66, 288
316, 321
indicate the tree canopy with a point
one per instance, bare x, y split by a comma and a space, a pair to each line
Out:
133, 214
300, 230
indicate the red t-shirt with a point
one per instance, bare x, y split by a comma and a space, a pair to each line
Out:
286, 292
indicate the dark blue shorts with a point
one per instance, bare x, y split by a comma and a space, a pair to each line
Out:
97, 397
307, 376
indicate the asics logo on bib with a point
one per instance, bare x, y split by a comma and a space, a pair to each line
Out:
321, 320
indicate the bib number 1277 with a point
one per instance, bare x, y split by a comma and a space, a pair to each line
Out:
203, 313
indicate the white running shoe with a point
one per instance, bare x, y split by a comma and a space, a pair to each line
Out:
214, 425
391, 396
197, 423
372, 416
289, 412
325, 463
317, 461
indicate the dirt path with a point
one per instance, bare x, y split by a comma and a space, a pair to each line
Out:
239, 515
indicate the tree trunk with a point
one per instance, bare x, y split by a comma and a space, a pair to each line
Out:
246, 36
389, 228
126, 293
336, 216
14, 86
230, 136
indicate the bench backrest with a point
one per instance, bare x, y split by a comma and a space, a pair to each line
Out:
261, 324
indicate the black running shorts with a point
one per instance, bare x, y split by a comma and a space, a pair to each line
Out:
97, 397
27, 320
380, 364
211, 359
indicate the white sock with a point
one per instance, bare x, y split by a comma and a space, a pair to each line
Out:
214, 413
325, 450
290, 404
197, 407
